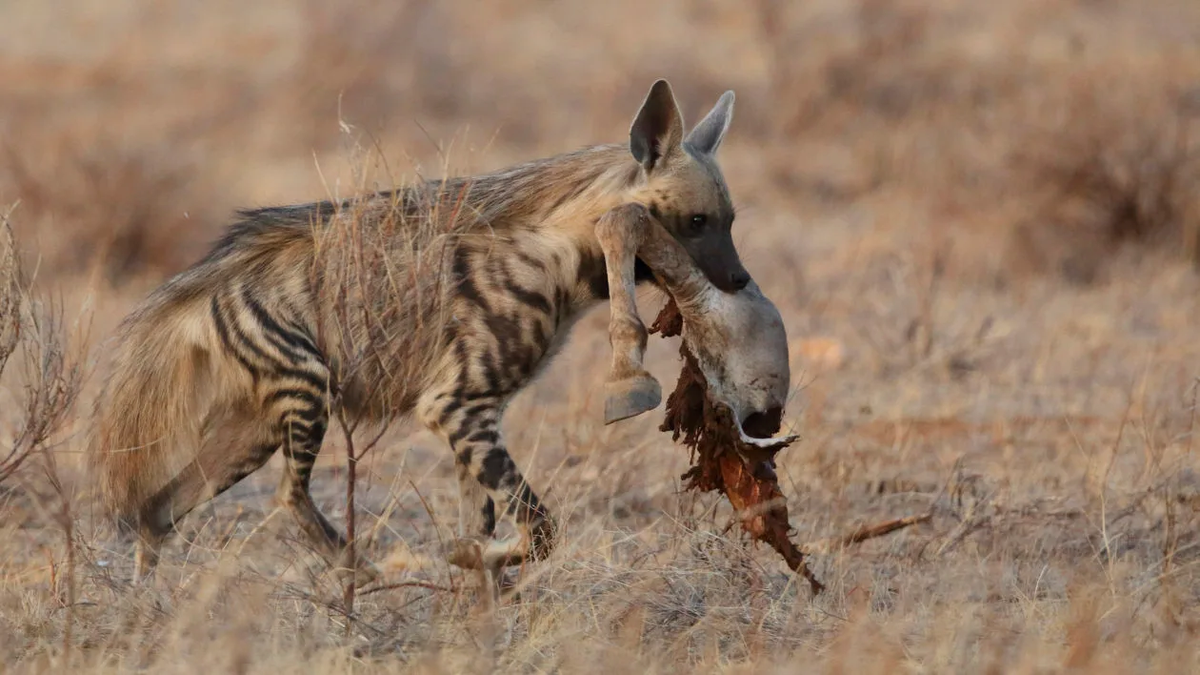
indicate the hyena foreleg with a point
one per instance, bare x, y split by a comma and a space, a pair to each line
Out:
491, 487
476, 525
476, 510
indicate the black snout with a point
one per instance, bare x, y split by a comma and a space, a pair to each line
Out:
739, 280
763, 424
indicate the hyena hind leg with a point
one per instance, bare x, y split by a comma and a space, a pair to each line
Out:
194, 486
221, 462
303, 427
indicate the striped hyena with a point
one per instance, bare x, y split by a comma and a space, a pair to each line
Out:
451, 297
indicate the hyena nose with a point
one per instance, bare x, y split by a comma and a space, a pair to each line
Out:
739, 280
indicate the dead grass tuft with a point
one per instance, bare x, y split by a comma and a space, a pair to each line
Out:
370, 61
1114, 163
124, 209
52, 377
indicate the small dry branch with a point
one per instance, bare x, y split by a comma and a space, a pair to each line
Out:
53, 375
864, 533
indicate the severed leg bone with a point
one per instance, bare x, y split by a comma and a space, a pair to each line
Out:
630, 389
738, 338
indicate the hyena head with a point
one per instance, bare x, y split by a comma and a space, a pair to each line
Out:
682, 185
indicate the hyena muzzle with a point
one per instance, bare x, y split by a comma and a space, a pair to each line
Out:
240, 355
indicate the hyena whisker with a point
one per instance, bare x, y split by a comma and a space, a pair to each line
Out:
438, 301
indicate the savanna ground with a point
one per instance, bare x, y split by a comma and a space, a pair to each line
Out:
979, 221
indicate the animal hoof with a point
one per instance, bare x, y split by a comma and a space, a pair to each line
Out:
542, 538
631, 397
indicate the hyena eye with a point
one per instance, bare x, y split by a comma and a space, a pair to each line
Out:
698, 222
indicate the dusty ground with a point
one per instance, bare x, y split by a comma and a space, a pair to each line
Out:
978, 220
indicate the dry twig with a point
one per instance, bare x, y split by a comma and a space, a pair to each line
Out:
864, 533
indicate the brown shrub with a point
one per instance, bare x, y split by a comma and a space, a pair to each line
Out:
1107, 164
130, 208
367, 61
33, 330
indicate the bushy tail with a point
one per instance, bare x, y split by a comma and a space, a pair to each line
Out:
145, 423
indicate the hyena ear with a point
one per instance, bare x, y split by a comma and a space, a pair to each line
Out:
657, 130
709, 133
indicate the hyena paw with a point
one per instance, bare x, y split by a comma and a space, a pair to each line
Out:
542, 538
485, 553
534, 542
465, 553
364, 573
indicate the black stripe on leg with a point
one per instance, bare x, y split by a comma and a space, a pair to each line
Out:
317, 381
236, 331
491, 372
467, 288
488, 511
524, 504
495, 468
479, 409
313, 400
505, 329
455, 404
487, 436
463, 457
531, 261
456, 436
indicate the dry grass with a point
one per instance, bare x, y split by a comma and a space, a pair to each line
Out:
1111, 164
922, 187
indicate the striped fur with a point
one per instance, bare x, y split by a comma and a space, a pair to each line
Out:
438, 301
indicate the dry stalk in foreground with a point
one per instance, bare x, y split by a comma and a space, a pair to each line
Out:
52, 381
53, 376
